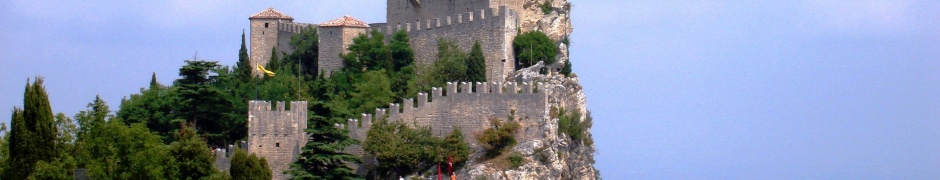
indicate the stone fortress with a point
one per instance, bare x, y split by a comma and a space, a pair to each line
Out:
276, 133
492, 23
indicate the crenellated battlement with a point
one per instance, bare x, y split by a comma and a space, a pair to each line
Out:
277, 132
476, 17
465, 105
294, 28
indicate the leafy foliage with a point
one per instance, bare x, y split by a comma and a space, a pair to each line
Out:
33, 135
249, 167
498, 138
204, 103
515, 159
532, 47
400, 149
546, 7
306, 52
571, 125
193, 155
476, 64
566, 70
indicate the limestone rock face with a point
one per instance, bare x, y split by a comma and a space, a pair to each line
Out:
549, 155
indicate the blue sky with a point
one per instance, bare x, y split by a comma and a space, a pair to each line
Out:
678, 89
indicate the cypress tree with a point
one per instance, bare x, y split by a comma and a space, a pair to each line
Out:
273, 63
476, 65
243, 66
34, 132
17, 166
153, 81
567, 69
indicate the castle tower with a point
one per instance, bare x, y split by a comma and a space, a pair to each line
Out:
335, 37
265, 35
277, 134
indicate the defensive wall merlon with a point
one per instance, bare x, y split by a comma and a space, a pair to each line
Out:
265, 119
461, 104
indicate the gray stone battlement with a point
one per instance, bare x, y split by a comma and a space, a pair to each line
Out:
277, 133
294, 28
468, 108
442, 22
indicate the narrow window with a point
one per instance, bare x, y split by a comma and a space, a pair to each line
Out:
265, 25
331, 32
262, 32
277, 144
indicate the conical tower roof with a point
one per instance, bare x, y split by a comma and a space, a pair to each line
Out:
270, 13
345, 21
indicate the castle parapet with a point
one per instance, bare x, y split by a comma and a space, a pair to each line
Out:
441, 22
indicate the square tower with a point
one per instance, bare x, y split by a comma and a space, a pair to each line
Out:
335, 37
265, 36
277, 134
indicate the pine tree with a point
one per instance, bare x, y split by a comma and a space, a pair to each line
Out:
243, 66
476, 64
323, 157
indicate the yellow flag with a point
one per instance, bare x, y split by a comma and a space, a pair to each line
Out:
261, 68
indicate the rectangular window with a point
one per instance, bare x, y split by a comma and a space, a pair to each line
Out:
277, 144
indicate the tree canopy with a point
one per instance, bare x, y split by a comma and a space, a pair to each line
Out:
532, 47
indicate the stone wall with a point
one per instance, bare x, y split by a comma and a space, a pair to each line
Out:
468, 108
277, 134
334, 41
495, 29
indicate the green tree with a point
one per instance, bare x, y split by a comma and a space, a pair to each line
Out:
157, 107
248, 167
274, 62
243, 66
456, 148
368, 53
532, 47
567, 69
306, 51
33, 136
109, 149
323, 157
498, 138
373, 91
204, 104
400, 149
476, 64
192, 154
404, 66
402, 54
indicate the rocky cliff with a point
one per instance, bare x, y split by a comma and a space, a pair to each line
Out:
552, 155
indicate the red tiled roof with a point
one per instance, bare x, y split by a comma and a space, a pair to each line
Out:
345, 21
270, 13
